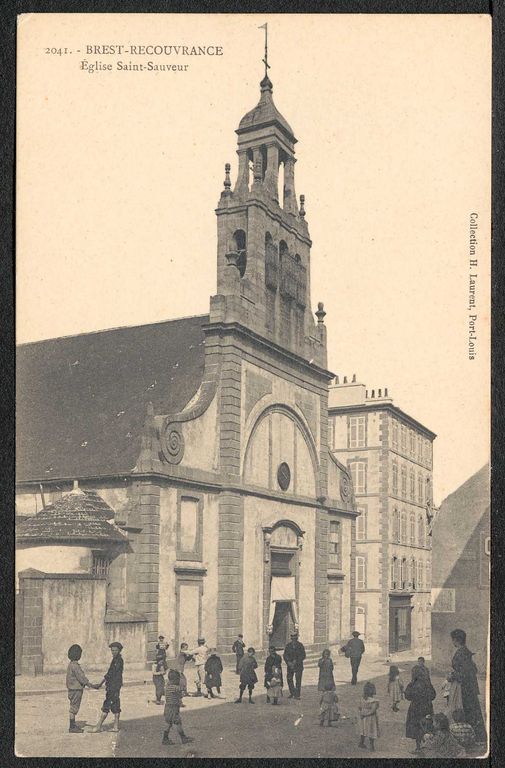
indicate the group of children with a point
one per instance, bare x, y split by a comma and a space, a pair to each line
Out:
433, 733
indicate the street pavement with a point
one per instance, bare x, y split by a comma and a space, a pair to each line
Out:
220, 728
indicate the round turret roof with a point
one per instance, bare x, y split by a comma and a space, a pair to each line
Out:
265, 113
78, 516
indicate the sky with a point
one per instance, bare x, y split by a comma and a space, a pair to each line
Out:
119, 173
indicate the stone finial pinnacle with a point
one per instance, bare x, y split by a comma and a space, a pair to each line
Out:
302, 206
320, 314
227, 180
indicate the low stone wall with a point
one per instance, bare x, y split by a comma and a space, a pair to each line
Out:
62, 609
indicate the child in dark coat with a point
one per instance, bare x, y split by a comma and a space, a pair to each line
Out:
159, 668
172, 716
213, 669
113, 680
248, 677
420, 693
325, 665
76, 682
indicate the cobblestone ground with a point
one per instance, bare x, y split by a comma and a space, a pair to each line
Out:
220, 728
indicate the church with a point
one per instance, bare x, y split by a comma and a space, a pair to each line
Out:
206, 436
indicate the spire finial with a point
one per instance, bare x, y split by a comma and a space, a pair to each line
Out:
227, 180
265, 60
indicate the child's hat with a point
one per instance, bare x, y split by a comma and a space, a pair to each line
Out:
74, 652
356, 633
115, 644
201, 639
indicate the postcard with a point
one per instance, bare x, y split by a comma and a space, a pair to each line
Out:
253, 369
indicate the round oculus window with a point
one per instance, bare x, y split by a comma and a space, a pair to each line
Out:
284, 476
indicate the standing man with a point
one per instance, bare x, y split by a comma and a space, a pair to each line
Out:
294, 654
354, 650
200, 656
238, 649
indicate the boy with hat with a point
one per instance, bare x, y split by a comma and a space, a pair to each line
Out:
238, 649
113, 680
76, 682
354, 650
162, 645
172, 715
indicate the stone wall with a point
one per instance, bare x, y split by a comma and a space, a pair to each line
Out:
60, 610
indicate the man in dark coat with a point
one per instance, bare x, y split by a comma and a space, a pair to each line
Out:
272, 660
294, 654
238, 649
354, 650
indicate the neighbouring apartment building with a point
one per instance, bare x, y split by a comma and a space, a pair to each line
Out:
390, 458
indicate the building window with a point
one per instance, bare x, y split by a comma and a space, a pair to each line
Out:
395, 478
404, 482
394, 572
428, 490
356, 432
358, 474
427, 453
412, 485
403, 436
331, 433
420, 574
412, 529
361, 523
428, 574
360, 620
412, 444
420, 489
335, 544
189, 527
420, 531
360, 573
413, 568
403, 528
396, 525
395, 434
403, 573
101, 564
419, 448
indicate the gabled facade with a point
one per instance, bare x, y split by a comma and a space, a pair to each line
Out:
213, 448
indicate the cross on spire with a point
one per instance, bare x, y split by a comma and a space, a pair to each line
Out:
265, 60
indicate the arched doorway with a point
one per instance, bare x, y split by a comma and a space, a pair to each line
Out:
283, 543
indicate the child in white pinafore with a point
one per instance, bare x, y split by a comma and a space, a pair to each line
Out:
395, 687
368, 717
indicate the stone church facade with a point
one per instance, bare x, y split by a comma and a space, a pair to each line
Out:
208, 436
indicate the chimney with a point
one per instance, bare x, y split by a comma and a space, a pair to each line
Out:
354, 378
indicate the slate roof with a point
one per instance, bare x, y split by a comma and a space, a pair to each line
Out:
81, 400
265, 113
77, 516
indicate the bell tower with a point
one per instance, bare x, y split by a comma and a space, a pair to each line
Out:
263, 242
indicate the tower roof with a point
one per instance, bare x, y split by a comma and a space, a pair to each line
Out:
265, 113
